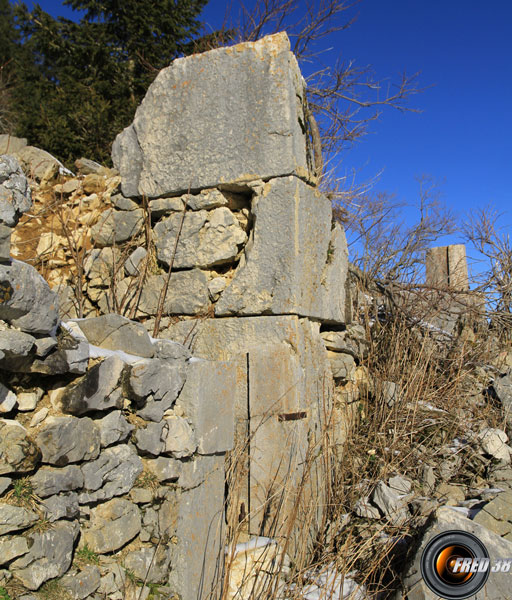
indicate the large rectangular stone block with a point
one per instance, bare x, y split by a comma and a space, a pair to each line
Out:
229, 115
207, 399
294, 263
282, 405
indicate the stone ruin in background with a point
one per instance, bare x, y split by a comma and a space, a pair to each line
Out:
252, 338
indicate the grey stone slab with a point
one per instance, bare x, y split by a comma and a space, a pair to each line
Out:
50, 555
165, 206
65, 440
195, 471
207, 399
38, 164
287, 268
27, 301
48, 481
255, 122
12, 547
15, 518
115, 332
197, 559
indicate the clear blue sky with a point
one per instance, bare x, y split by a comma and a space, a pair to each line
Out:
463, 135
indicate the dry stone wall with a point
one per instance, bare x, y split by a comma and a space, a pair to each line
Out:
124, 437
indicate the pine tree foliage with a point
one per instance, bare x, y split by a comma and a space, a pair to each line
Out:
80, 82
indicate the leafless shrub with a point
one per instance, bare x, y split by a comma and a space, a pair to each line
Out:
494, 271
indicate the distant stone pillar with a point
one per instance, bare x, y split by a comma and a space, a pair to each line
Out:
447, 267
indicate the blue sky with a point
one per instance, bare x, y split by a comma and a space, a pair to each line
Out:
463, 136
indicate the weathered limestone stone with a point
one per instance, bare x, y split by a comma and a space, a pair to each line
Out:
207, 398
38, 164
65, 440
48, 481
122, 203
116, 226
187, 293
9, 144
258, 116
27, 401
133, 262
496, 515
112, 474
161, 379
207, 200
113, 428
8, 399
15, 197
343, 365
86, 166
150, 439
101, 264
446, 519
351, 341
179, 439
288, 265
392, 506
50, 555
61, 506
97, 390
5, 242
165, 206
14, 518
115, 332
26, 300
149, 564
207, 238
165, 469
82, 584
167, 349
494, 443
5, 482
11, 547
112, 525
15, 343
93, 183
18, 453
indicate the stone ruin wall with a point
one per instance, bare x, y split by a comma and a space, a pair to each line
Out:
125, 437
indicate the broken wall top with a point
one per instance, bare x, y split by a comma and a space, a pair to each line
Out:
229, 115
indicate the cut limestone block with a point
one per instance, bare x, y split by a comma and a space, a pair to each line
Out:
207, 399
293, 264
197, 559
250, 98
283, 398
